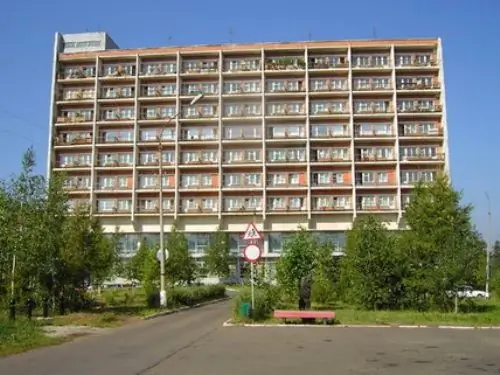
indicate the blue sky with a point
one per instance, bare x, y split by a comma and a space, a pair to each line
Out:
466, 27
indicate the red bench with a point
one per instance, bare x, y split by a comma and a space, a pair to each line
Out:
326, 316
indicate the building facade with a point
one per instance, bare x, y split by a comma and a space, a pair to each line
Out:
309, 134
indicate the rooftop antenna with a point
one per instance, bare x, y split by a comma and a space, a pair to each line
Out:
374, 31
231, 33
309, 36
169, 39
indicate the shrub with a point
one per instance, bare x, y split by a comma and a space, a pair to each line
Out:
188, 296
266, 300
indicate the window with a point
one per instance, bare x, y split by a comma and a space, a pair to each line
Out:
382, 177
252, 179
190, 181
294, 179
232, 180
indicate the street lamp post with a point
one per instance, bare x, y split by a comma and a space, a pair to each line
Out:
488, 245
163, 292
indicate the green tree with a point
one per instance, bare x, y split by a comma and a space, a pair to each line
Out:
326, 275
370, 269
443, 248
218, 255
180, 266
297, 261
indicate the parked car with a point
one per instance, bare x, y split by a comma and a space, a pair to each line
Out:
466, 291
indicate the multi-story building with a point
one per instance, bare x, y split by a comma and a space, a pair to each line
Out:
286, 134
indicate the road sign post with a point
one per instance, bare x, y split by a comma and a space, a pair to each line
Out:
252, 254
162, 259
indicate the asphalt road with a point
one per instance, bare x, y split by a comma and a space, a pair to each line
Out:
194, 342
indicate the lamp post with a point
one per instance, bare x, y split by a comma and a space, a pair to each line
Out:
163, 292
488, 247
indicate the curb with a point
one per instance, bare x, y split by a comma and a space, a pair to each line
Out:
184, 308
229, 323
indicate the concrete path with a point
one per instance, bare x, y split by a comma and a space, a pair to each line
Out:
195, 343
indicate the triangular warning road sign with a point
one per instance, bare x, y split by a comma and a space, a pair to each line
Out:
252, 233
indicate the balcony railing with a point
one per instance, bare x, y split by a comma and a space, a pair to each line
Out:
328, 179
199, 157
242, 157
326, 85
118, 115
243, 110
243, 204
152, 206
200, 134
80, 72
416, 84
285, 109
285, 63
372, 108
118, 70
242, 133
242, 87
332, 203
364, 132
158, 68
116, 137
151, 158
158, 113
193, 89
286, 155
75, 161
279, 180
119, 159
325, 131
376, 203
114, 206
328, 62
415, 60
241, 65
115, 183
242, 180
375, 155
75, 95
77, 183
199, 206
151, 181
287, 204
200, 66
420, 108
420, 132
330, 154
76, 116
117, 92
290, 132
423, 157
371, 62
73, 139
201, 111
329, 109
284, 86
372, 84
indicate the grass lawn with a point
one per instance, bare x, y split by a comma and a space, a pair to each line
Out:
22, 335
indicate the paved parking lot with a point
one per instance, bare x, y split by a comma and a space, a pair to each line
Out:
194, 342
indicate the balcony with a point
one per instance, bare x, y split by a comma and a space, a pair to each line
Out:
419, 60
374, 154
158, 113
235, 65
242, 180
152, 135
285, 109
118, 159
202, 111
114, 206
114, 183
199, 181
244, 132
150, 205
77, 183
243, 110
158, 90
151, 158
286, 204
371, 84
371, 203
284, 86
242, 87
421, 153
158, 69
118, 70
331, 179
75, 116
331, 203
419, 129
193, 89
325, 85
114, 137
74, 204
361, 62
243, 157
206, 205
414, 106
204, 133
330, 131
374, 179
277, 132
373, 130
74, 161
118, 92
75, 94
418, 83
282, 180
151, 181
243, 204
124, 114
323, 62
200, 66
411, 178
286, 155
73, 138
285, 63
371, 107
330, 154
199, 158
329, 108
77, 72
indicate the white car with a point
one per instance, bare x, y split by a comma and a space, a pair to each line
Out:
466, 291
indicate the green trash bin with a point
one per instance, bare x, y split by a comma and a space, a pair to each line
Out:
245, 308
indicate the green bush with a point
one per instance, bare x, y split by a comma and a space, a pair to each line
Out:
20, 335
188, 295
267, 299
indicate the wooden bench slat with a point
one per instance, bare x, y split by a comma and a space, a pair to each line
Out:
296, 314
